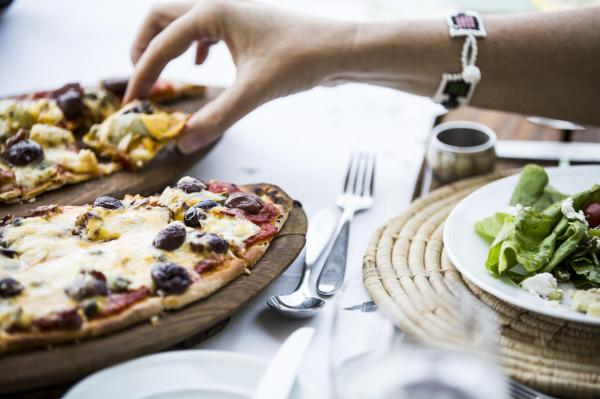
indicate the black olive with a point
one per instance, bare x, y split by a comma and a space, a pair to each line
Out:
108, 202
248, 203
10, 287
193, 216
170, 278
170, 237
90, 307
9, 253
23, 153
87, 285
116, 86
71, 104
206, 204
208, 242
145, 107
190, 185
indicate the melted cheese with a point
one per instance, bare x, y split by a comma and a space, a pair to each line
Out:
83, 161
177, 200
32, 176
232, 229
48, 135
53, 251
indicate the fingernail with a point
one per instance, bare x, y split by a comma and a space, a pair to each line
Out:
189, 144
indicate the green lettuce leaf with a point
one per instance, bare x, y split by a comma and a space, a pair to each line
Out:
489, 227
530, 187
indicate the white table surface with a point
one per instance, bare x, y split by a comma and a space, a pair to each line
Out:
301, 142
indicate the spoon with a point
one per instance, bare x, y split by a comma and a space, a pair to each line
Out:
302, 303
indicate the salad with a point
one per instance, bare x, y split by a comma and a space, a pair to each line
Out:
545, 237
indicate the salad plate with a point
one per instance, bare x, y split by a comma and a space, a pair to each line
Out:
468, 251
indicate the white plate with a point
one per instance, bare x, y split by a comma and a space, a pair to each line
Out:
189, 374
468, 251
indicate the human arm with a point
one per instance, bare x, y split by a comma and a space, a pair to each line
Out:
538, 64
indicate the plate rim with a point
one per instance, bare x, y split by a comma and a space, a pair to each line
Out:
563, 313
186, 354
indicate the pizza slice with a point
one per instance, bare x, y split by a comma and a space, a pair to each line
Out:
70, 272
72, 107
44, 158
136, 133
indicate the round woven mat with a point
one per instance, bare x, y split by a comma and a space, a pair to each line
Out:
408, 274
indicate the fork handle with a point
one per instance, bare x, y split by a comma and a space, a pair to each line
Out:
334, 269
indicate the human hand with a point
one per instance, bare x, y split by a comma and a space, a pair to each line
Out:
276, 53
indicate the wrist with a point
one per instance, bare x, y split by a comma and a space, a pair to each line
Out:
405, 55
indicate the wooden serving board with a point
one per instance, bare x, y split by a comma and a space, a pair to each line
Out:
153, 178
44, 367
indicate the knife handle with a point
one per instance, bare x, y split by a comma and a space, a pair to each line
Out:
333, 272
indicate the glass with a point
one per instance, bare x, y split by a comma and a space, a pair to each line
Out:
371, 359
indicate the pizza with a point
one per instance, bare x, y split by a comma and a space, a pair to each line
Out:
71, 272
135, 133
52, 138
44, 158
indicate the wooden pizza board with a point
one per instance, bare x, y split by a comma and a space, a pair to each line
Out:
38, 368
162, 171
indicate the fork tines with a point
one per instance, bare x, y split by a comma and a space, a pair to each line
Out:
360, 178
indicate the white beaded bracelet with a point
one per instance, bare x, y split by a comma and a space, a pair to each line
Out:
457, 88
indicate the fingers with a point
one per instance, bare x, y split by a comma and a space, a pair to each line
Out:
159, 17
209, 123
202, 48
149, 29
168, 44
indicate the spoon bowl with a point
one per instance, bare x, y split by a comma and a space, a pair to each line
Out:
296, 305
302, 303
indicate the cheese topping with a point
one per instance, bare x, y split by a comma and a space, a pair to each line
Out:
31, 176
51, 135
232, 229
569, 212
53, 250
544, 285
177, 201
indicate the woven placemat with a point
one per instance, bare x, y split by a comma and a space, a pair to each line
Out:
408, 274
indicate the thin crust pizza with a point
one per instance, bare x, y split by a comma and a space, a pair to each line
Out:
70, 272
53, 138
44, 158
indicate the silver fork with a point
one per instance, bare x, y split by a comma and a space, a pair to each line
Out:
518, 390
357, 196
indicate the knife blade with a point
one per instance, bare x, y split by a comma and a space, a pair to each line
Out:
279, 378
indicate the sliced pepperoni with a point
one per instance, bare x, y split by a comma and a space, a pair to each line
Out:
118, 302
220, 187
64, 320
268, 213
267, 230
207, 264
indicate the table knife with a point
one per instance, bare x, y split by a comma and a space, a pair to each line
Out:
280, 376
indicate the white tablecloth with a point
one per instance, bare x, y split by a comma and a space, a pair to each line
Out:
301, 142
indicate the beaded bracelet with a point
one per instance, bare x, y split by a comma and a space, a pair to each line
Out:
457, 88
